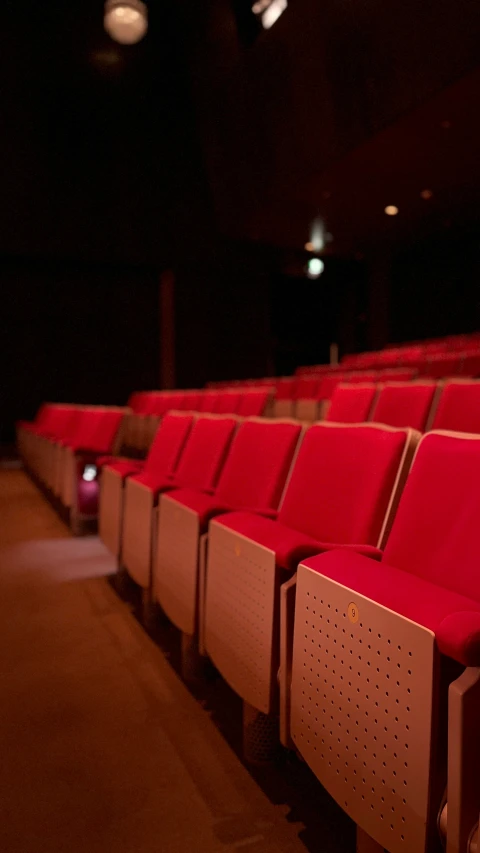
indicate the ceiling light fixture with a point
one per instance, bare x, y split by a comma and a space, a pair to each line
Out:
315, 268
391, 210
126, 21
269, 11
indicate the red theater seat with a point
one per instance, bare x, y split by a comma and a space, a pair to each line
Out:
283, 406
208, 401
254, 402
342, 492
227, 402
161, 463
440, 365
406, 404
79, 487
470, 364
403, 630
252, 479
198, 469
459, 407
351, 403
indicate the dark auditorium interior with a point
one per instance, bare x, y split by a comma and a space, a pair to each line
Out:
240, 426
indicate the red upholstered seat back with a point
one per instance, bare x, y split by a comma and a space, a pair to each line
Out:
107, 426
435, 532
342, 482
158, 403
191, 401
48, 419
176, 400
307, 387
470, 365
90, 425
361, 376
145, 402
253, 403
227, 402
204, 453
168, 443
59, 421
351, 403
459, 407
396, 374
208, 401
328, 384
442, 364
43, 414
286, 388
77, 424
404, 404
257, 466
135, 400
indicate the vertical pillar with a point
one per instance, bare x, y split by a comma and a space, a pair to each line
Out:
167, 329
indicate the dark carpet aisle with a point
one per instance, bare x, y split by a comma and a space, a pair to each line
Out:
102, 748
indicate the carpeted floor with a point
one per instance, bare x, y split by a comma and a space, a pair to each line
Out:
102, 748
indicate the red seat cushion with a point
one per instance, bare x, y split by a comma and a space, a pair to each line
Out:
124, 467
289, 545
156, 482
453, 618
204, 505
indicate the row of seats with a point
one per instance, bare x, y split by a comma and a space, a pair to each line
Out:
61, 448
148, 407
422, 405
66, 446
330, 574
458, 354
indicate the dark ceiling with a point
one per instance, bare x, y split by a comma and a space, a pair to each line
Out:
94, 135
133, 154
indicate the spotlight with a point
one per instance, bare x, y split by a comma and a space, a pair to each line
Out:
126, 21
269, 11
89, 473
391, 210
315, 268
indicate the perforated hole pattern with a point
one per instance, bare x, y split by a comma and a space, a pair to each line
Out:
239, 614
361, 709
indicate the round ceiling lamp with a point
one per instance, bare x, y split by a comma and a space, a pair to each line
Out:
126, 21
315, 267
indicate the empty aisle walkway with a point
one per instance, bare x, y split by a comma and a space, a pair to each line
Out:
102, 747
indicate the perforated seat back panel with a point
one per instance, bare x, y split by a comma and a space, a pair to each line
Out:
362, 687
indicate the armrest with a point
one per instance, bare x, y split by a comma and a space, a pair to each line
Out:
363, 550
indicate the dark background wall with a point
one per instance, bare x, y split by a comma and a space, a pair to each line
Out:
435, 287
87, 334
202, 152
